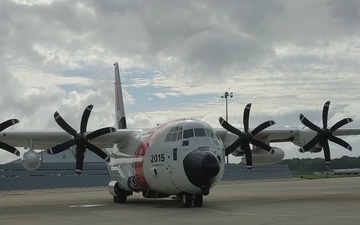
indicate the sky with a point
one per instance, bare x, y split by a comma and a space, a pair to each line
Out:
177, 58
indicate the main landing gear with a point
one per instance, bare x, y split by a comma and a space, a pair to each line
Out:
121, 195
188, 199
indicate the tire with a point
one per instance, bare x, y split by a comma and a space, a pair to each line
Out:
198, 200
121, 195
187, 200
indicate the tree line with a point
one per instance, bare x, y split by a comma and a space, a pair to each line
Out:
318, 164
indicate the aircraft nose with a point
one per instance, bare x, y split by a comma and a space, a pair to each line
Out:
201, 167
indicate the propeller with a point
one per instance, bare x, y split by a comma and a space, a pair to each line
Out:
3, 145
81, 140
325, 134
247, 137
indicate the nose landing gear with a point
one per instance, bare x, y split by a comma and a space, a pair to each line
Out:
188, 199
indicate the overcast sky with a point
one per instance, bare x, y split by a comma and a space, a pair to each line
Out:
177, 58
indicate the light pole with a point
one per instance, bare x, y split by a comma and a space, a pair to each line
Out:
226, 95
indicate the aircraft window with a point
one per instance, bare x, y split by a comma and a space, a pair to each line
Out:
185, 143
200, 132
179, 137
168, 136
173, 136
209, 133
218, 137
188, 133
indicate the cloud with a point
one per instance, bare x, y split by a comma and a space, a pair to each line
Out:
177, 59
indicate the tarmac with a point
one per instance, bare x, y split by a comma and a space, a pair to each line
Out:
280, 202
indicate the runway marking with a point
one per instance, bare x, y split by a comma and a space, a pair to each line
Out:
86, 206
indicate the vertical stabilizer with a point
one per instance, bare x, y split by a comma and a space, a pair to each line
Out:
120, 122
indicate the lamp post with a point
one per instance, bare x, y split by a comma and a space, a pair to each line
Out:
226, 95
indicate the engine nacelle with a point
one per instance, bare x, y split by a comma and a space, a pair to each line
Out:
31, 160
262, 157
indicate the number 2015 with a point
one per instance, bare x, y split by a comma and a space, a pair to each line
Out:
157, 158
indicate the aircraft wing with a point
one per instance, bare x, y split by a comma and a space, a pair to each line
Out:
298, 136
48, 138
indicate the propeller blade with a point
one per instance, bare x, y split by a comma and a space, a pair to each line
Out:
309, 124
9, 148
325, 113
262, 127
246, 117
262, 145
229, 127
64, 125
325, 134
8, 123
98, 152
340, 124
85, 119
232, 147
99, 132
309, 145
340, 142
61, 147
326, 149
248, 157
79, 160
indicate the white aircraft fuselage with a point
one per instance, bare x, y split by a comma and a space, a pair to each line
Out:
182, 156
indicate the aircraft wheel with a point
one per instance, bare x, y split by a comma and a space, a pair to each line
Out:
121, 195
187, 200
120, 199
198, 200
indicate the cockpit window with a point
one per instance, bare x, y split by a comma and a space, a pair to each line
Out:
200, 132
209, 133
188, 133
168, 136
179, 137
174, 134
177, 133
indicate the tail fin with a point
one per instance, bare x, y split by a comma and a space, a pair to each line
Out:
119, 101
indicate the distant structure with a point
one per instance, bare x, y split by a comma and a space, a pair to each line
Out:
352, 171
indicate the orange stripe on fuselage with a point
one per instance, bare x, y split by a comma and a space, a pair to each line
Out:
140, 153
